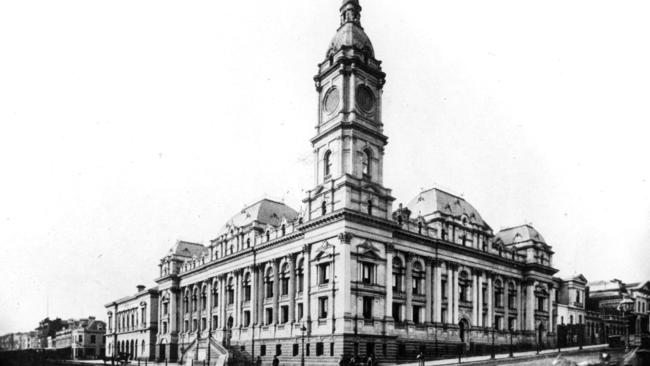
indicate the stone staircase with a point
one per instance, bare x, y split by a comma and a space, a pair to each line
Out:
196, 353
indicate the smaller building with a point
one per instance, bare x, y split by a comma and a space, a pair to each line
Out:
83, 337
639, 292
570, 318
133, 325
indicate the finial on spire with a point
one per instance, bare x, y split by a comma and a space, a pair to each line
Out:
351, 12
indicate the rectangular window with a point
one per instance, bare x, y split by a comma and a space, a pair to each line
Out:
247, 318
319, 348
367, 275
269, 316
397, 283
296, 349
367, 307
444, 288
93, 339
263, 350
416, 314
284, 282
195, 324
284, 314
187, 326
307, 349
443, 315
164, 327
416, 286
80, 339
278, 349
397, 313
323, 273
511, 323
247, 293
215, 322
540, 303
497, 322
332, 349
370, 348
299, 311
165, 308
322, 307
204, 323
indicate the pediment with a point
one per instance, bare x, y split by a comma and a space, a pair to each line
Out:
367, 249
323, 250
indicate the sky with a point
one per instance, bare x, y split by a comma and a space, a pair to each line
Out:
128, 125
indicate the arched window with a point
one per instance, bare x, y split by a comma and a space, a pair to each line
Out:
418, 279
327, 164
419, 228
247, 287
300, 275
195, 296
268, 235
284, 230
464, 285
268, 281
323, 207
215, 295
366, 159
284, 280
398, 275
248, 243
204, 299
512, 295
498, 293
142, 348
230, 292
186, 305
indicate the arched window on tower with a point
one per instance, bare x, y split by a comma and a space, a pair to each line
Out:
366, 160
327, 164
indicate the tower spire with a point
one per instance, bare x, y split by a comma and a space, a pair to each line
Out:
351, 12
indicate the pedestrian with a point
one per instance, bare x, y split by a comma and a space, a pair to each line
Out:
420, 359
258, 361
369, 361
341, 360
353, 361
276, 362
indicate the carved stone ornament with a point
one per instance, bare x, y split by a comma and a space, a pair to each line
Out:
345, 237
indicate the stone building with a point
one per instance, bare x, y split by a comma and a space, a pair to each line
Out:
133, 325
350, 274
570, 314
84, 338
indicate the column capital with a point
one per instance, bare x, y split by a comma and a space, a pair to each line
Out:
306, 248
345, 237
452, 265
390, 247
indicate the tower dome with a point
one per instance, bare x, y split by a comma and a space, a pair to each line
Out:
351, 34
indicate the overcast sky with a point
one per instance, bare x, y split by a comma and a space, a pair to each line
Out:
126, 125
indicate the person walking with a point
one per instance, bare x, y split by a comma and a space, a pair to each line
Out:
258, 361
420, 359
352, 361
370, 361
276, 362
341, 360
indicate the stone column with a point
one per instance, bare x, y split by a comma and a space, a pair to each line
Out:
237, 305
450, 293
306, 292
222, 301
276, 289
530, 305
474, 299
409, 288
261, 295
208, 292
173, 311
506, 313
437, 292
388, 311
342, 277
490, 293
254, 289
428, 289
520, 307
456, 297
292, 287
479, 293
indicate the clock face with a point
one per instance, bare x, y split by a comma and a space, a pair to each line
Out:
365, 99
332, 99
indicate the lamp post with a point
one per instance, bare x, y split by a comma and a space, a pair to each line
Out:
625, 306
510, 355
302, 357
492, 351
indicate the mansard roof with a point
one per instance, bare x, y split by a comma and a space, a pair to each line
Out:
438, 201
264, 212
520, 234
187, 249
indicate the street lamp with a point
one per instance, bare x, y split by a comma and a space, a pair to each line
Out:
302, 357
510, 355
625, 306
492, 351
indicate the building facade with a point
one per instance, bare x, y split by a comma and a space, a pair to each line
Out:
84, 338
351, 275
133, 325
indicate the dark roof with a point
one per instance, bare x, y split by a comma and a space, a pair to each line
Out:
520, 234
438, 201
265, 212
187, 249
351, 35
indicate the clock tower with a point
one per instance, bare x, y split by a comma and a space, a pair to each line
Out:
349, 142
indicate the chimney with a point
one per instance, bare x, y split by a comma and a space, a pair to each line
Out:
140, 288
